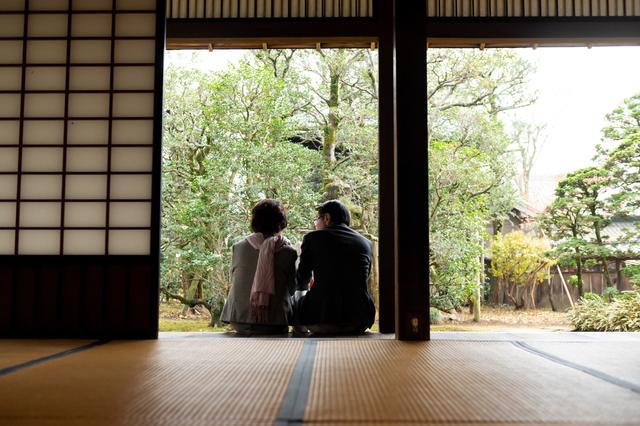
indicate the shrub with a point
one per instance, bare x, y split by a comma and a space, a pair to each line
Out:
592, 313
435, 316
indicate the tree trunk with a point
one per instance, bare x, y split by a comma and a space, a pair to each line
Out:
191, 294
579, 268
549, 283
494, 292
606, 271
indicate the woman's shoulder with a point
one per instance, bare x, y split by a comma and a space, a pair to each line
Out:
288, 251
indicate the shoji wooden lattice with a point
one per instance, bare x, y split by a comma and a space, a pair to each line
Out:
76, 126
532, 8
80, 141
269, 8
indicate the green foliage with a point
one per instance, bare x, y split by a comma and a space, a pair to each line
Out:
594, 297
520, 259
580, 208
623, 121
227, 144
594, 314
633, 273
470, 168
435, 316
573, 280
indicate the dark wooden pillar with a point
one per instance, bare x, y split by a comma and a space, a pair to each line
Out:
411, 178
386, 204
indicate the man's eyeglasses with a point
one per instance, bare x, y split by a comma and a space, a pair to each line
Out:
315, 221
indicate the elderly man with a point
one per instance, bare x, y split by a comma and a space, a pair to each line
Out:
340, 260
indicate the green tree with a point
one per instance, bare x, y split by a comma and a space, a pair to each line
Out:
226, 147
624, 121
578, 209
519, 261
470, 167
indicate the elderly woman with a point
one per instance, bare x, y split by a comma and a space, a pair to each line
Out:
263, 274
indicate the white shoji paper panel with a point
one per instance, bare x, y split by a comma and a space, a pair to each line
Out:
135, 25
91, 25
79, 242
131, 187
130, 214
44, 105
8, 187
90, 51
90, 78
43, 132
135, 4
11, 51
11, 25
88, 132
40, 214
133, 105
7, 241
38, 241
7, 214
85, 215
132, 132
9, 132
131, 159
42, 159
45, 78
48, 5
46, 51
86, 187
41, 187
135, 52
41, 25
92, 4
133, 78
129, 242
11, 5
88, 105
87, 159
8, 159
9, 105
10, 78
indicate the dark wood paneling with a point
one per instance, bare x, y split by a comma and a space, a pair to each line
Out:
25, 297
6, 296
47, 305
93, 299
116, 294
70, 297
139, 306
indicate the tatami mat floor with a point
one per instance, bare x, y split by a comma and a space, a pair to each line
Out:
206, 379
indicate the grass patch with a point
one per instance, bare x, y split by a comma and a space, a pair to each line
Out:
187, 325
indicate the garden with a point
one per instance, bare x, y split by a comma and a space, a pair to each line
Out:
301, 126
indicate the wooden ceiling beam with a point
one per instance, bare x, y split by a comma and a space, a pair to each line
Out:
251, 33
526, 32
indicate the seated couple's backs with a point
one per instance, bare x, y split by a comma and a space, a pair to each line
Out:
264, 277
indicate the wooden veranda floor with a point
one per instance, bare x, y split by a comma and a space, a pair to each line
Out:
217, 379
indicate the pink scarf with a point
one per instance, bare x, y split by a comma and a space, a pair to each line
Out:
264, 282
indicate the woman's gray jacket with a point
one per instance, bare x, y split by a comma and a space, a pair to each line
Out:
243, 267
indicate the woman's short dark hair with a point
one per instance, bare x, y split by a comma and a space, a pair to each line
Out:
268, 216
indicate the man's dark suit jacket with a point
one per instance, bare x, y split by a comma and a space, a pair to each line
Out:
340, 259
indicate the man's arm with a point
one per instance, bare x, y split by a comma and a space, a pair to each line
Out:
305, 266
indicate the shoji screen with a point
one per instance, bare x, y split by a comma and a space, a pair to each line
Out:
80, 135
